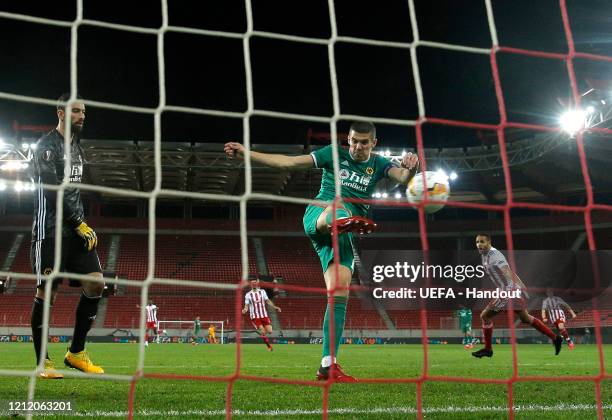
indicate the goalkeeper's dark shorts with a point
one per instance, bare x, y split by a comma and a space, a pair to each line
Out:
74, 258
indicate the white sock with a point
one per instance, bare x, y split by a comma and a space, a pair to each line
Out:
327, 361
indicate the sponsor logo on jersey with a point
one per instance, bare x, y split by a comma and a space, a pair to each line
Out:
76, 173
369, 170
354, 180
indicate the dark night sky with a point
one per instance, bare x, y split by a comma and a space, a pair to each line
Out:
208, 72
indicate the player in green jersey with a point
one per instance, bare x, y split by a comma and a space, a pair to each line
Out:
360, 171
465, 323
196, 331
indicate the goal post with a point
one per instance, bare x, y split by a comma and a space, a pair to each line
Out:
185, 329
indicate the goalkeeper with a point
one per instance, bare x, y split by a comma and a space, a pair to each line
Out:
360, 171
79, 241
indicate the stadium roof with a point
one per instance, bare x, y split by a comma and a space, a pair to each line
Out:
544, 167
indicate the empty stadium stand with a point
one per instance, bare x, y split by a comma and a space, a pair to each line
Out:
308, 312
294, 259
185, 257
217, 258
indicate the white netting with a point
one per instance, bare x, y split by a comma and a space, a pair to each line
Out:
245, 116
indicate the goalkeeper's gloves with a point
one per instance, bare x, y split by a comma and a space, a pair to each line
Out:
88, 235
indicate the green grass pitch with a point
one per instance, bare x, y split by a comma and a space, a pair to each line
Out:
159, 399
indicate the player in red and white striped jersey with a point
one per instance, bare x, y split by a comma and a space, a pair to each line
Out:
151, 312
552, 309
255, 302
501, 275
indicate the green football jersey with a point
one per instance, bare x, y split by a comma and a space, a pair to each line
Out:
465, 316
358, 179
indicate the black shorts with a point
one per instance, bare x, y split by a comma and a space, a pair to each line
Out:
75, 259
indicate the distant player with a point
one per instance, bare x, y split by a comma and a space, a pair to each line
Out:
503, 278
360, 171
553, 306
212, 337
152, 325
196, 331
255, 302
465, 323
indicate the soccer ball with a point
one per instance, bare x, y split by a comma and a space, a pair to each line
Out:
437, 187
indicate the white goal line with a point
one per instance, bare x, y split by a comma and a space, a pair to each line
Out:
376, 410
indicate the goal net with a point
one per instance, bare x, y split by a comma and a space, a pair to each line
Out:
423, 382
184, 332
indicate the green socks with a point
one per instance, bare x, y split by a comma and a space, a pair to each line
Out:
339, 317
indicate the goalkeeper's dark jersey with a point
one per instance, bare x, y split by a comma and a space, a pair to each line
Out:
48, 168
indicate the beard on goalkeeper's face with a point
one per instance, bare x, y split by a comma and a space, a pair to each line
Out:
77, 128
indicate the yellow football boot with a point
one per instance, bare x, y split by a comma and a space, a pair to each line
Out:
81, 362
50, 372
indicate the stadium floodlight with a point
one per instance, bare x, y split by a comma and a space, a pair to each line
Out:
387, 152
33, 146
398, 195
573, 121
441, 172
13, 165
403, 153
385, 195
377, 195
24, 146
18, 186
590, 109
453, 176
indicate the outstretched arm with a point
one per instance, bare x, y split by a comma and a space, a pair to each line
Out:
237, 150
409, 167
246, 308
